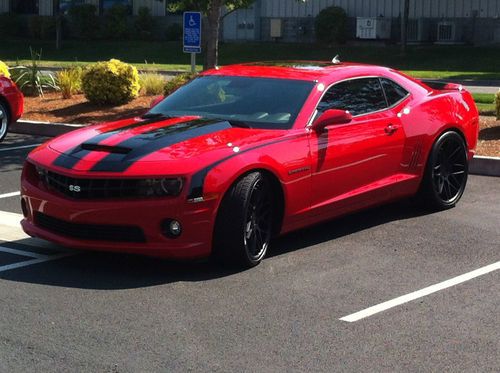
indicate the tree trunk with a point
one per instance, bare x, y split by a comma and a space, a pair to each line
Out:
212, 45
404, 26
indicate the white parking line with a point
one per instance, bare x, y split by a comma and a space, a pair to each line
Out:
8, 250
12, 194
420, 293
19, 147
30, 262
10, 219
10, 231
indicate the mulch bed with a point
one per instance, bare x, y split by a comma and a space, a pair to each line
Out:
52, 108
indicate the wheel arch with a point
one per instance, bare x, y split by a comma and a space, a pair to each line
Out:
277, 190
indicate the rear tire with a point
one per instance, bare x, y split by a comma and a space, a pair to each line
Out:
446, 172
4, 120
243, 226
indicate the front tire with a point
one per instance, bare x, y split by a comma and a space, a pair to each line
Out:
243, 226
446, 172
4, 120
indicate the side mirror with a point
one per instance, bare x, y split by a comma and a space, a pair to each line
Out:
331, 117
156, 101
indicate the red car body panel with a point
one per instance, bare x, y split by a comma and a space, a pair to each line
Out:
13, 97
376, 158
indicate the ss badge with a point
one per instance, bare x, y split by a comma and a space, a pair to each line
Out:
75, 188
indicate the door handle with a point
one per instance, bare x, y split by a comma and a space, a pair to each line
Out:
390, 129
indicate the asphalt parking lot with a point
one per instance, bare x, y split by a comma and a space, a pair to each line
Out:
390, 289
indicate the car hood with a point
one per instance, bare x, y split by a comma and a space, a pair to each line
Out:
154, 146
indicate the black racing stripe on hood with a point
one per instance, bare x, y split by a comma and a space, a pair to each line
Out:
71, 157
149, 142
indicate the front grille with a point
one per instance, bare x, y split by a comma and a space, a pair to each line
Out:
94, 232
92, 188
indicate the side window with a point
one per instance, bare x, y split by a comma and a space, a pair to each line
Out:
393, 91
359, 96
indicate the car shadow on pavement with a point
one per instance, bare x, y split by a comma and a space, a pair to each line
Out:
111, 271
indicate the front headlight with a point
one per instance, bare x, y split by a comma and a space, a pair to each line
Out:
160, 187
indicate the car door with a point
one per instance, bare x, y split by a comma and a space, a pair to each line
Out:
353, 163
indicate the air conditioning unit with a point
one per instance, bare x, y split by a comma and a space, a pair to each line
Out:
446, 32
276, 28
373, 28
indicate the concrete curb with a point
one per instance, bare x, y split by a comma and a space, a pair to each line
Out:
28, 127
486, 166
479, 165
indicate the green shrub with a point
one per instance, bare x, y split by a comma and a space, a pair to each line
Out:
152, 84
4, 69
144, 23
497, 104
173, 32
116, 22
112, 82
177, 81
70, 81
330, 25
41, 27
31, 80
84, 21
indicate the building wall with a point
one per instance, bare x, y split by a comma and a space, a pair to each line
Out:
157, 7
4, 6
386, 8
46, 7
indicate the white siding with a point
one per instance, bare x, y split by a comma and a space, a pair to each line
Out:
387, 8
4, 6
93, 2
46, 7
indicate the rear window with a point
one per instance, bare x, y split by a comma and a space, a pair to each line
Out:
358, 96
394, 92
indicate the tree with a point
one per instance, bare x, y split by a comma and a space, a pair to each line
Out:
212, 10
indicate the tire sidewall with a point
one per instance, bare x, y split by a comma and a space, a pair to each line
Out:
5, 109
259, 178
430, 166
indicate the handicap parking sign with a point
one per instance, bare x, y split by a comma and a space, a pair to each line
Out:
192, 32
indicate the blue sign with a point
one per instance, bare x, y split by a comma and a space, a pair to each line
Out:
192, 32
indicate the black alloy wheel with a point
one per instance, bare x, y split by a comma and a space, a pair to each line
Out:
244, 223
446, 172
257, 228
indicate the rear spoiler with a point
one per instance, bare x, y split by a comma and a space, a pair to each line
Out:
442, 86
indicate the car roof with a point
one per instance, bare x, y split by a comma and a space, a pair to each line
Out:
299, 70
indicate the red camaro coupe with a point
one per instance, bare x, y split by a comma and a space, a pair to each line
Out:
11, 104
246, 152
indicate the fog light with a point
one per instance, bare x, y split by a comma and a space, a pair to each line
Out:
171, 228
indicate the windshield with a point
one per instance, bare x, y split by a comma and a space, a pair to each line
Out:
253, 102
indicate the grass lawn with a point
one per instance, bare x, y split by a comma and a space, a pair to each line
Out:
485, 103
449, 62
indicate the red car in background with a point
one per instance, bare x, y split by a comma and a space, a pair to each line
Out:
246, 152
11, 104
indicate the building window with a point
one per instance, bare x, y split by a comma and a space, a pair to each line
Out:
25, 6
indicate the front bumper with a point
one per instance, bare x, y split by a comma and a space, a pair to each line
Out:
197, 221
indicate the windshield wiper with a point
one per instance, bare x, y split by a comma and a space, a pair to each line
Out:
155, 115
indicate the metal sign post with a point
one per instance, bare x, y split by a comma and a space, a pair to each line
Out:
192, 36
